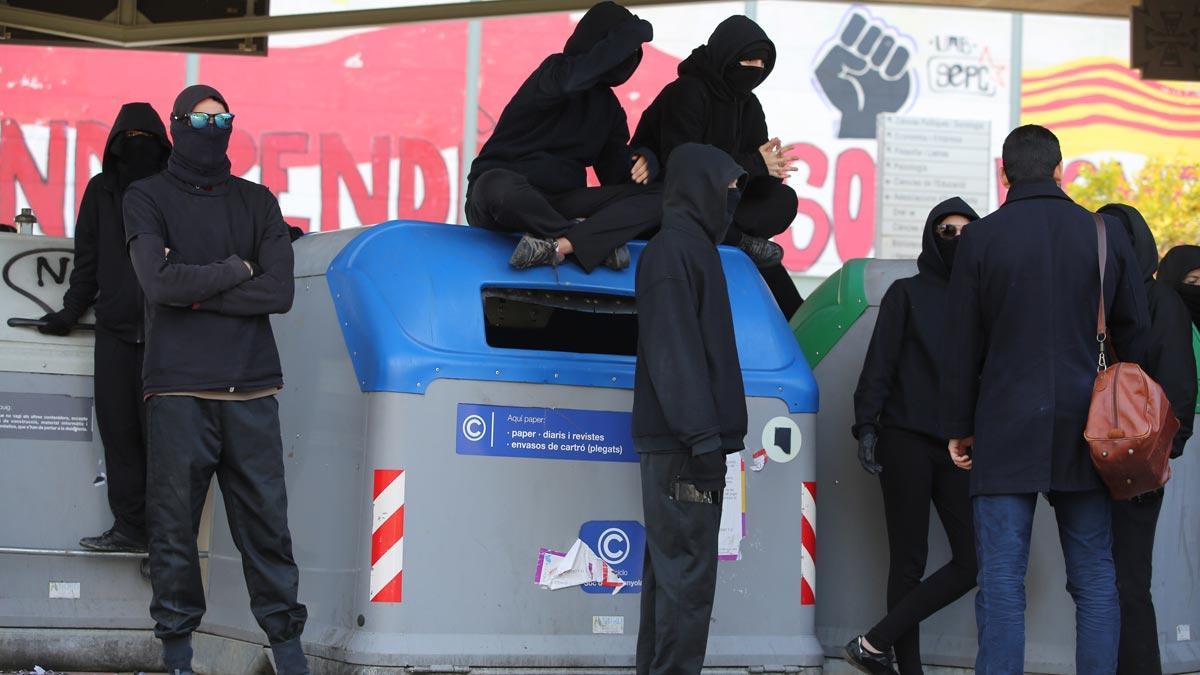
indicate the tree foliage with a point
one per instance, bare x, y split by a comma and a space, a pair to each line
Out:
1166, 192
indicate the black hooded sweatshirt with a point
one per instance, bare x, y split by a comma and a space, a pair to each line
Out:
688, 392
565, 116
704, 106
898, 386
1174, 269
207, 325
102, 274
1169, 357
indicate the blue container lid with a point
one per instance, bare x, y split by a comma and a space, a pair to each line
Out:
409, 299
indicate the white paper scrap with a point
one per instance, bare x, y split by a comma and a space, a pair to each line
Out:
733, 521
64, 590
578, 566
608, 625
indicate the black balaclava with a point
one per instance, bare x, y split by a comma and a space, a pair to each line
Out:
1174, 269
199, 157
138, 157
937, 254
717, 61
696, 194
593, 27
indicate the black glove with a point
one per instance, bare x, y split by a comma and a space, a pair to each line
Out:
866, 452
706, 472
294, 232
57, 323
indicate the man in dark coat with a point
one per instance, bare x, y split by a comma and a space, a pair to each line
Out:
1170, 361
530, 177
1020, 363
896, 403
689, 407
214, 258
713, 102
102, 276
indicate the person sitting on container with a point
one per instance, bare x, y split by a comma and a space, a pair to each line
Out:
1170, 361
713, 102
103, 277
212, 254
689, 407
530, 177
901, 441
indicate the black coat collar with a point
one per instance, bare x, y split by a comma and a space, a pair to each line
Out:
1035, 189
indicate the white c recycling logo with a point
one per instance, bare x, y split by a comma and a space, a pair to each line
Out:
474, 428
613, 546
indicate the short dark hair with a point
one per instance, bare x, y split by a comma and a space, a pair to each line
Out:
1031, 152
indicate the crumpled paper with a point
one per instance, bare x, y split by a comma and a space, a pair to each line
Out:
578, 566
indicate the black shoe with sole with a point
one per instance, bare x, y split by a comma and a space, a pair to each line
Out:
618, 259
533, 251
763, 252
113, 542
873, 664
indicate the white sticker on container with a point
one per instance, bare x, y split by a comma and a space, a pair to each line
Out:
64, 590
1183, 632
781, 439
608, 625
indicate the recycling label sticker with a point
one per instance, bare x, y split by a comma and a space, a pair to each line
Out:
781, 439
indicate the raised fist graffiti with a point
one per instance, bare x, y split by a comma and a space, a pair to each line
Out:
864, 73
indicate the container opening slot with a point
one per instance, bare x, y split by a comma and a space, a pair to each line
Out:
561, 321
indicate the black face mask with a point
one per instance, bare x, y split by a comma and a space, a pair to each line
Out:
137, 157
623, 71
743, 79
947, 247
199, 155
1191, 298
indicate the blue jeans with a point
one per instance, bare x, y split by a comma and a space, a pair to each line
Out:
1003, 526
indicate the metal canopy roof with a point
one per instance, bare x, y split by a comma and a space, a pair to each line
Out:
129, 28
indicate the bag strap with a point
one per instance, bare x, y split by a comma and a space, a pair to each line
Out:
1102, 259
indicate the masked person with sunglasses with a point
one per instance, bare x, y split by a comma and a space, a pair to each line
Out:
214, 258
901, 441
530, 177
689, 407
102, 277
1170, 361
713, 102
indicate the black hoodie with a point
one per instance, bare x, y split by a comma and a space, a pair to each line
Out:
1174, 269
898, 386
1169, 357
102, 274
701, 106
688, 391
565, 116
207, 325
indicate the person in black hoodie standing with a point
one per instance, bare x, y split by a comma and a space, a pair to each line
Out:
1170, 361
713, 102
901, 441
689, 407
214, 258
102, 276
530, 177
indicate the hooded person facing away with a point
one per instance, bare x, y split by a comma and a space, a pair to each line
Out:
689, 407
713, 102
900, 440
214, 258
103, 277
531, 175
1170, 361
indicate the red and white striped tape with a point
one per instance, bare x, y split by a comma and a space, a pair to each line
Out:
808, 540
387, 536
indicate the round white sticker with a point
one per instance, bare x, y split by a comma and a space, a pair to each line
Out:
781, 439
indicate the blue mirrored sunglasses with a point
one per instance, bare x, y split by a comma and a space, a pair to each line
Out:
199, 120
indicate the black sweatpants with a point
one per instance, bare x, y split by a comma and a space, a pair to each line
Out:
121, 418
190, 439
1134, 523
504, 200
679, 574
916, 470
767, 209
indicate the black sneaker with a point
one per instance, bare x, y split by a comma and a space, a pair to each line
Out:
618, 259
533, 251
113, 542
873, 664
763, 252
